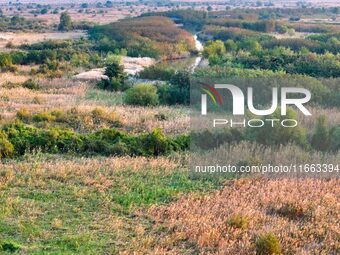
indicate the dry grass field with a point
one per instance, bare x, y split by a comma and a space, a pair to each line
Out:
28, 38
234, 219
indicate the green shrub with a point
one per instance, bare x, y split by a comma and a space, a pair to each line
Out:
321, 139
9, 246
177, 91
142, 94
278, 134
43, 116
209, 139
156, 143
335, 138
30, 84
20, 139
24, 115
238, 221
267, 244
116, 76
157, 72
6, 148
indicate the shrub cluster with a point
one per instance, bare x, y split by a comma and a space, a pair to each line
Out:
142, 95
143, 37
177, 91
73, 118
17, 139
324, 138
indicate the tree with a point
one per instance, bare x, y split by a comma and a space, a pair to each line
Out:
142, 94
109, 4
178, 89
278, 134
114, 70
230, 45
5, 61
65, 22
214, 48
116, 76
321, 138
43, 11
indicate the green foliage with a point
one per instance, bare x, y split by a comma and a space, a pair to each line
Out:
321, 139
230, 45
17, 139
267, 244
9, 246
144, 36
65, 23
213, 48
209, 139
74, 119
30, 84
282, 59
324, 137
192, 20
142, 95
156, 143
238, 221
157, 72
335, 138
177, 91
5, 61
116, 76
6, 148
18, 23
278, 134
114, 70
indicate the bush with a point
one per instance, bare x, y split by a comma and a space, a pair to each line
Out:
278, 134
116, 76
238, 221
17, 139
321, 139
6, 148
157, 72
142, 94
335, 138
24, 115
9, 246
172, 95
178, 91
30, 84
208, 139
156, 143
44, 116
113, 84
268, 244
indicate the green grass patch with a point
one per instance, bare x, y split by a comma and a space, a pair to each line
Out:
40, 214
104, 97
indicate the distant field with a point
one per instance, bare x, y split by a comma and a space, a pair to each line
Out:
29, 38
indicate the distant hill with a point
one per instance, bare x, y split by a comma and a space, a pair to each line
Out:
157, 37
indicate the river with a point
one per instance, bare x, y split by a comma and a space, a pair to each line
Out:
191, 62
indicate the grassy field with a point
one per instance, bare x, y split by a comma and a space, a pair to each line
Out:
54, 205
70, 183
